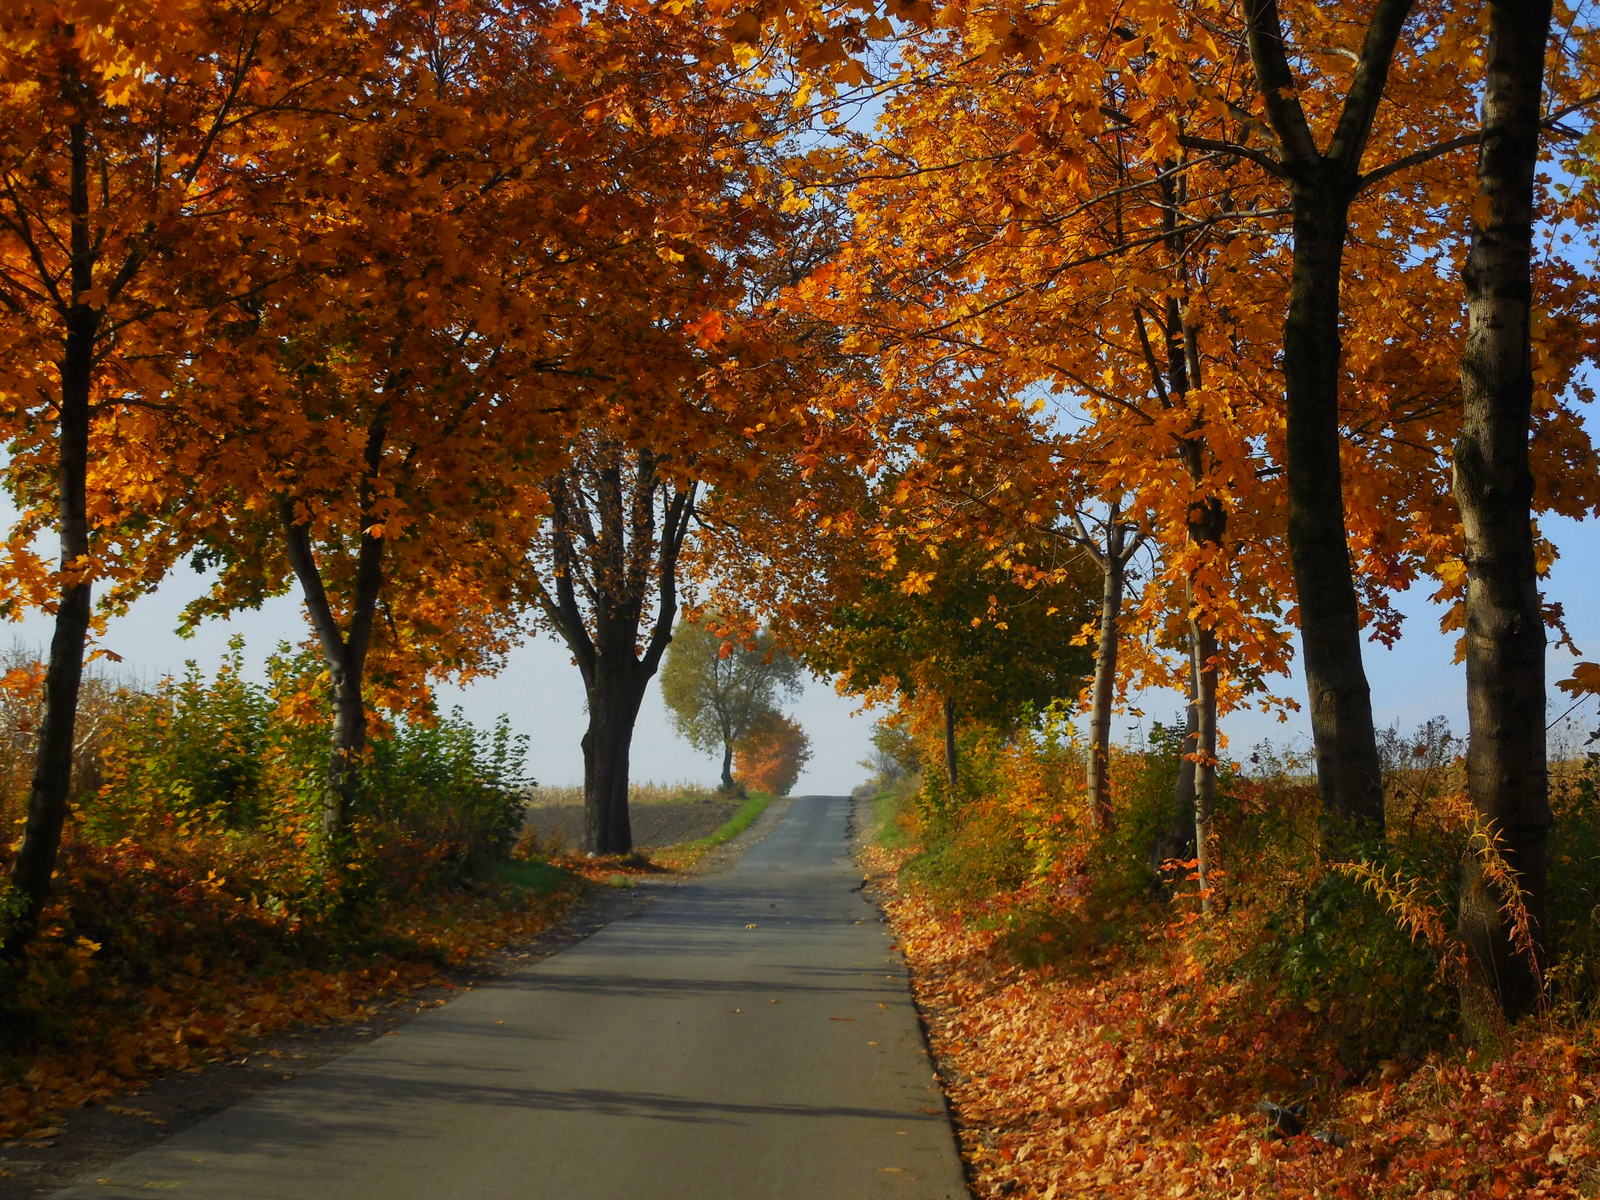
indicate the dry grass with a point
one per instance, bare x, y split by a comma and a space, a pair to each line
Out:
638, 793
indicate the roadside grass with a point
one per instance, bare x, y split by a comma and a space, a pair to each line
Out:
687, 855
888, 830
534, 876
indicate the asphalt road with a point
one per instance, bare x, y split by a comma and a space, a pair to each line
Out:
749, 1036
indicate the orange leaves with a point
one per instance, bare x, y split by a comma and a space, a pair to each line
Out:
771, 756
1125, 1079
1584, 680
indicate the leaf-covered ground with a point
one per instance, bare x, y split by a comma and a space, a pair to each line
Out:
1137, 1076
111, 1041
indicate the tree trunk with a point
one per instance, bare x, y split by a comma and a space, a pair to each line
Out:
1348, 773
1505, 641
34, 867
345, 652
614, 700
1322, 187
606, 533
1207, 525
348, 749
1113, 567
727, 766
951, 764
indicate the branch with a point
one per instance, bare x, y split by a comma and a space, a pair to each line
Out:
1261, 158
1366, 89
1417, 158
1270, 57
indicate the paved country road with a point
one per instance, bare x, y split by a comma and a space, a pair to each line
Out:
746, 1037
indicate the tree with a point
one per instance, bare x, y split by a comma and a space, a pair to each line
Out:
987, 645
721, 691
1505, 643
1112, 545
605, 575
388, 397
772, 754
137, 138
1005, 87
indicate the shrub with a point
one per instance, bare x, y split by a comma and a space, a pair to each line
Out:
450, 786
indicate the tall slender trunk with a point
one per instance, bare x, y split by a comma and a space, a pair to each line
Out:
1505, 640
1322, 186
347, 748
34, 867
1177, 840
1343, 735
727, 765
1203, 650
344, 649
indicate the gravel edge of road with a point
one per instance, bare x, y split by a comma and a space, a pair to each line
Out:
96, 1136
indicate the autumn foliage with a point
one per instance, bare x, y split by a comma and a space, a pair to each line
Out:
1099, 1038
1003, 357
770, 757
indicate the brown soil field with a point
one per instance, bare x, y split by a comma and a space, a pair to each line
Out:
654, 825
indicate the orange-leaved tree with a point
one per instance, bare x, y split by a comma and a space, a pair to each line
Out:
137, 135
770, 757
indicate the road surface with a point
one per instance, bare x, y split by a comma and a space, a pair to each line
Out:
748, 1036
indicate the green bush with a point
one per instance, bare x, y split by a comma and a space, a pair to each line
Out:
241, 767
447, 783
190, 753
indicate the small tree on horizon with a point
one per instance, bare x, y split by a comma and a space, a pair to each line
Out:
720, 690
771, 756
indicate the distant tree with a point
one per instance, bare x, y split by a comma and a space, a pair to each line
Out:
719, 691
993, 649
605, 577
771, 756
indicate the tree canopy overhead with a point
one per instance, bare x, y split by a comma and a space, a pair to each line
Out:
1190, 330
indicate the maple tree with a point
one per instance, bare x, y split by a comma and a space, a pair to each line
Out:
132, 131
993, 90
721, 689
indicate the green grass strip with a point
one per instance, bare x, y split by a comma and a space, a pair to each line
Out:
733, 826
535, 876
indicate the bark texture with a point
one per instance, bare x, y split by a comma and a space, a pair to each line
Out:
49, 796
1505, 639
1177, 839
952, 763
1322, 184
1111, 550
